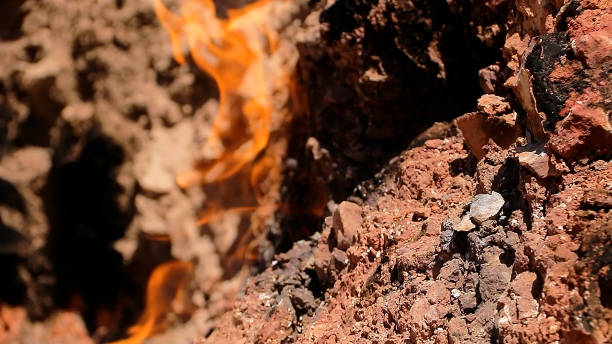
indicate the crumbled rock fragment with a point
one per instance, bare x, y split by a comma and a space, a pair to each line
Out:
302, 299
488, 78
478, 128
597, 199
446, 239
468, 301
168, 154
493, 105
25, 165
347, 223
451, 270
486, 206
494, 279
586, 131
465, 224
339, 258
536, 160
278, 328
457, 330
522, 287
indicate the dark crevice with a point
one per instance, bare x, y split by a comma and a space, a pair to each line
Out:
507, 258
605, 290
316, 288
369, 85
81, 201
11, 18
536, 288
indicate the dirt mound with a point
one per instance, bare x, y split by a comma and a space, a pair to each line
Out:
458, 150
500, 233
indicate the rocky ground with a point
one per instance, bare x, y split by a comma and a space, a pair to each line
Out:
96, 120
460, 151
499, 232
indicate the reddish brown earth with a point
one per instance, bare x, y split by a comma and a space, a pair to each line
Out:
401, 261
405, 114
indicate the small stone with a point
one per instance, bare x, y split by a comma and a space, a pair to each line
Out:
535, 159
494, 280
478, 128
302, 299
486, 206
347, 224
488, 227
339, 258
465, 225
422, 213
522, 287
493, 105
452, 271
457, 330
168, 154
488, 78
25, 165
446, 239
78, 113
467, 301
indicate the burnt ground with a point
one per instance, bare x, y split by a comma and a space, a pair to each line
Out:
96, 119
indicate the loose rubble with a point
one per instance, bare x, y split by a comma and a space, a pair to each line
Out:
486, 206
500, 233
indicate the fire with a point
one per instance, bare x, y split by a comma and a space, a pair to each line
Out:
236, 61
166, 285
234, 51
241, 130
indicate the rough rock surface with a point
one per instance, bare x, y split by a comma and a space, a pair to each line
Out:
371, 76
486, 206
417, 269
96, 119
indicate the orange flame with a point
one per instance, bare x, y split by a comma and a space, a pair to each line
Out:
166, 284
240, 131
235, 61
214, 212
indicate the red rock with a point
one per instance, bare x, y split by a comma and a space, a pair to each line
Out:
488, 77
12, 320
494, 279
477, 128
457, 331
347, 224
523, 91
493, 105
535, 159
468, 301
585, 132
278, 327
523, 286
595, 47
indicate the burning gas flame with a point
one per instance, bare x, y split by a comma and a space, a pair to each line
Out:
241, 130
235, 61
235, 57
166, 284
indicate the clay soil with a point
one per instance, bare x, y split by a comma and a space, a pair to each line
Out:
459, 150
